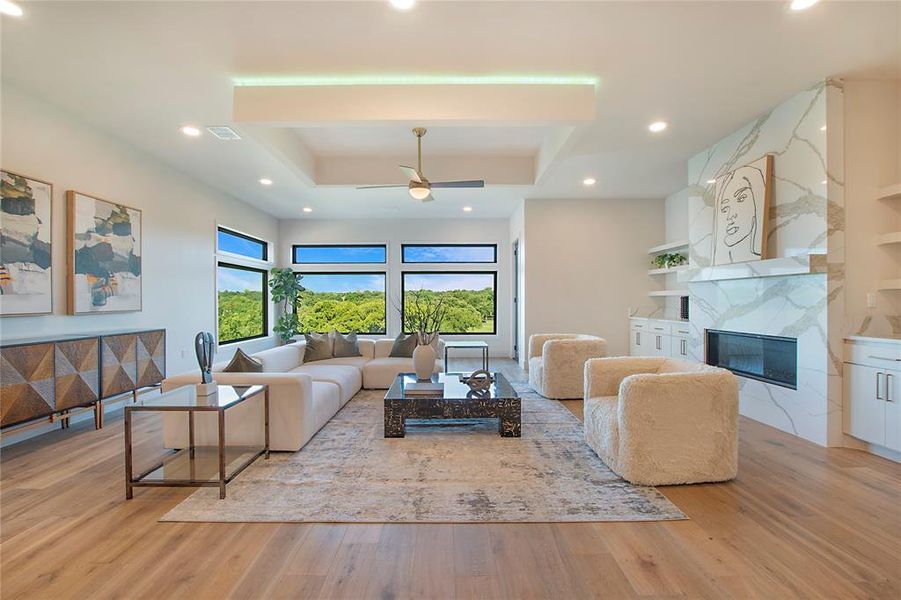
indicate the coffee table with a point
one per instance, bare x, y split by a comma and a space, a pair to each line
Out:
197, 465
455, 401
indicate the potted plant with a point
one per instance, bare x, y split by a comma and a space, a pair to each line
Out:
423, 314
284, 285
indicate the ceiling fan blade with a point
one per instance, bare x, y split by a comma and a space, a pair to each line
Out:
471, 183
410, 172
376, 187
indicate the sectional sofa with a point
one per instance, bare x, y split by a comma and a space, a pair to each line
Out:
302, 396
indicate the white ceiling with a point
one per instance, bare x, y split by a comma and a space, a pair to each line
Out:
141, 69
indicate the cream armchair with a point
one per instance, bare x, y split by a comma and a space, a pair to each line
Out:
557, 361
660, 421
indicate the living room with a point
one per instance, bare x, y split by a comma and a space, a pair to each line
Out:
450, 299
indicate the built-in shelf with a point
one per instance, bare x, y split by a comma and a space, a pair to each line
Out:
678, 269
889, 238
890, 191
890, 284
667, 293
668, 247
808, 264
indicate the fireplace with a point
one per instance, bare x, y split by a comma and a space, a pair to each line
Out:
763, 357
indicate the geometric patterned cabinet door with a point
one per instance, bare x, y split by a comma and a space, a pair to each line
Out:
77, 377
26, 383
151, 357
119, 369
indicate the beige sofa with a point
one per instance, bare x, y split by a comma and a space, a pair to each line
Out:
661, 421
557, 361
302, 396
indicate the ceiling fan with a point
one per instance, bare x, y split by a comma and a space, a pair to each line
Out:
419, 187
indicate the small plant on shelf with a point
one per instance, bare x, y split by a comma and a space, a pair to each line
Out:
668, 260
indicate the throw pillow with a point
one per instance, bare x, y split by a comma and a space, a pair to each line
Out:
319, 347
241, 362
345, 345
403, 346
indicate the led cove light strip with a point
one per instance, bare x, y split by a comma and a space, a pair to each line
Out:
310, 80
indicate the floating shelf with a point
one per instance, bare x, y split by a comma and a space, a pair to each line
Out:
678, 269
668, 247
890, 191
889, 238
890, 284
667, 293
808, 264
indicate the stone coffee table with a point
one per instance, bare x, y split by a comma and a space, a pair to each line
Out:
456, 401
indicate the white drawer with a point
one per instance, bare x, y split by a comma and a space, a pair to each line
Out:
681, 329
660, 327
880, 356
638, 324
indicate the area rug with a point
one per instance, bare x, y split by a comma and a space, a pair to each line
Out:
462, 472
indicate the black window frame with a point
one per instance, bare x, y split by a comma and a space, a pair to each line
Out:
384, 274
294, 248
404, 260
403, 293
243, 236
265, 275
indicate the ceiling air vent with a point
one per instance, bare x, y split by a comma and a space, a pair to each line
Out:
224, 133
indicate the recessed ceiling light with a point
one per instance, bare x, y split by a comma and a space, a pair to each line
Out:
802, 4
403, 4
823, 128
710, 181
10, 8
190, 131
589, 181
307, 209
467, 209
265, 181
657, 126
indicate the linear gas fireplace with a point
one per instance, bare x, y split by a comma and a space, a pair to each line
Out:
763, 357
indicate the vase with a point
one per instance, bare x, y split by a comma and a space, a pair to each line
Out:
424, 361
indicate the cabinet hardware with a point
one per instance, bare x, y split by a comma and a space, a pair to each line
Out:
659, 347
682, 348
638, 338
874, 357
878, 381
888, 387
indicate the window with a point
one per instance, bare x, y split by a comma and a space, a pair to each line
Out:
240, 244
354, 254
449, 253
470, 297
342, 301
242, 303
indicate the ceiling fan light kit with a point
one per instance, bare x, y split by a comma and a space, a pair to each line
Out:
419, 187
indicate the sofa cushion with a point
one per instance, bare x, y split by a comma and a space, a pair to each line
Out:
318, 347
602, 428
348, 378
344, 346
326, 401
280, 359
379, 373
243, 363
403, 346
382, 348
353, 361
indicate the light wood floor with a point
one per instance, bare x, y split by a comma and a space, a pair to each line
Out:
800, 521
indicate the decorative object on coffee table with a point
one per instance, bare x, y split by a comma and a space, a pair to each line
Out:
479, 380
423, 315
458, 401
205, 350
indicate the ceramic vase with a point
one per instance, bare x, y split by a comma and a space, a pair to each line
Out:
424, 361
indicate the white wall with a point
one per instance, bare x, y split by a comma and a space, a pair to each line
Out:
587, 264
394, 232
179, 225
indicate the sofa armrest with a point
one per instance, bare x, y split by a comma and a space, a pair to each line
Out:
297, 383
564, 359
603, 376
537, 341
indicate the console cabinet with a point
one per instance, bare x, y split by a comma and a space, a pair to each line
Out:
46, 378
872, 391
658, 337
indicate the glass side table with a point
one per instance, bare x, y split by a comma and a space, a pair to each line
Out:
212, 463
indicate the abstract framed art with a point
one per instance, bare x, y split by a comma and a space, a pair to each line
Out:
741, 212
26, 270
104, 270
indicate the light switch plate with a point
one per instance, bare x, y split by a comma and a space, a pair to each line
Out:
871, 300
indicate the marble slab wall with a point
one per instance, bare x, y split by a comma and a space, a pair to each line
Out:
801, 221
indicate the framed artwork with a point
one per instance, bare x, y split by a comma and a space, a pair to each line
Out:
104, 245
26, 270
741, 213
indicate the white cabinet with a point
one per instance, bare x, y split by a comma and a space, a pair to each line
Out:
639, 339
658, 337
679, 347
872, 393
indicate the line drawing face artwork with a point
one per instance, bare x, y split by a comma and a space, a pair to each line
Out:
740, 215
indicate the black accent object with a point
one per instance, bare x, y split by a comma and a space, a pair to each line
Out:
766, 358
683, 308
205, 349
242, 362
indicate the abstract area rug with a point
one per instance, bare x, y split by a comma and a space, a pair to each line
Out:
438, 473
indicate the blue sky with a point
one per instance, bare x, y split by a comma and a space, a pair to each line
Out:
339, 254
442, 282
440, 254
237, 280
345, 282
237, 245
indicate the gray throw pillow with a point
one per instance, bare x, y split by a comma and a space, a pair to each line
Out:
345, 346
319, 347
241, 362
404, 345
